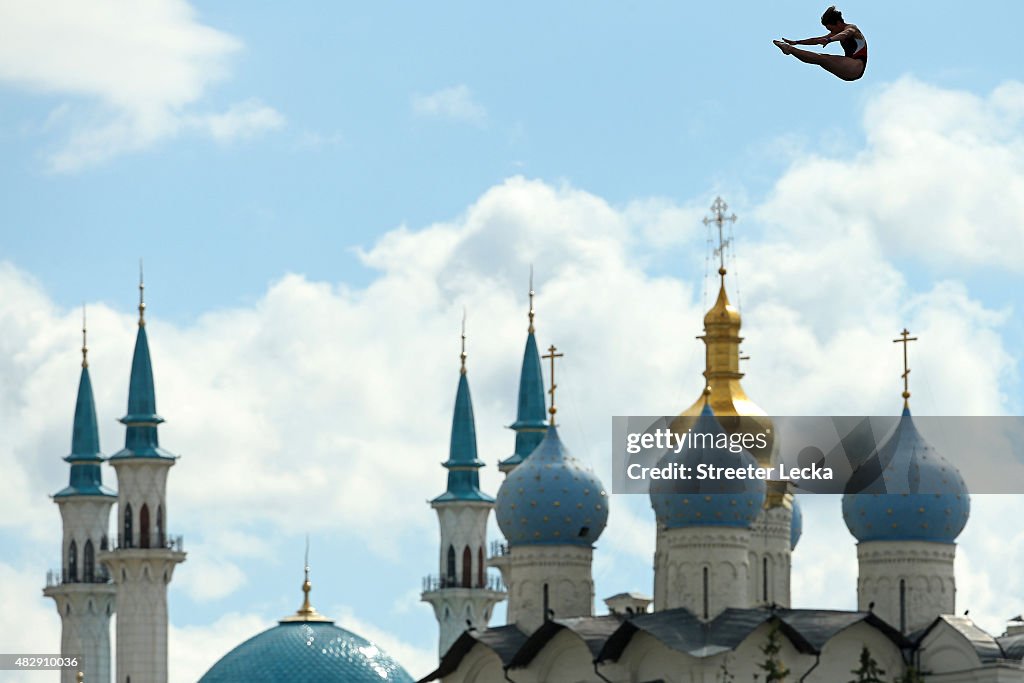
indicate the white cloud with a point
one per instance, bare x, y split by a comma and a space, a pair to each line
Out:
941, 180
127, 74
455, 103
194, 649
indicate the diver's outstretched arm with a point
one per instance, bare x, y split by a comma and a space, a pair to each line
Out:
823, 40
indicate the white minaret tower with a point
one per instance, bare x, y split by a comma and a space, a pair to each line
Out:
81, 587
906, 506
462, 594
143, 562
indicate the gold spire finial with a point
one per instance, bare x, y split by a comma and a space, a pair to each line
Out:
142, 297
718, 208
552, 355
530, 330
307, 612
85, 347
80, 676
462, 356
905, 339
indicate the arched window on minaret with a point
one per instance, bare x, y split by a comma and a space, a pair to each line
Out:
449, 579
73, 562
161, 539
480, 573
126, 540
88, 563
144, 526
467, 568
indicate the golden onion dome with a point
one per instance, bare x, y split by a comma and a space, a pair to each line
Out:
734, 409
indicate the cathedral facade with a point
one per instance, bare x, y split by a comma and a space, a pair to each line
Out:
721, 608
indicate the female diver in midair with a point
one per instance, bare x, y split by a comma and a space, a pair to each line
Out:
849, 67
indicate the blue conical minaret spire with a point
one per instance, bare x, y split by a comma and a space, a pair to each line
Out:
141, 438
85, 457
463, 465
530, 425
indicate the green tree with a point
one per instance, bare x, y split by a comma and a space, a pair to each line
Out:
774, 669
911, 675
869, 672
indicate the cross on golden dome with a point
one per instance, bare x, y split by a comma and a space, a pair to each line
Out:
718, 208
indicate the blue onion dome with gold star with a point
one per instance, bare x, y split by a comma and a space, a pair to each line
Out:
552, 499
306, 647
682, 503
796, 525
86, 477
906, 491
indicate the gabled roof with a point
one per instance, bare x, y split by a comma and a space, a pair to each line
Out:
608, 636
593, 631
985, 646
504, 641
680, 630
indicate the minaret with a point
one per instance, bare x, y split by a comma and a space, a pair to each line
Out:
462, 594
143, 562
906, 506
551, 509
531, 422
772, 537
81, 587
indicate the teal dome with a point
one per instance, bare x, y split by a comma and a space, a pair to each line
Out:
306, 652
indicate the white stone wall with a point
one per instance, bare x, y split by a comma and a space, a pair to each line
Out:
770, 555
925, 570
84, 518
463, 524
680, 562
85, 610
141, 481
564, 569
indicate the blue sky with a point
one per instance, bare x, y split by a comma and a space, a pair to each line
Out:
318, 189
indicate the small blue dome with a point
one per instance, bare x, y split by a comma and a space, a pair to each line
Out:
552, 499
796, 528
306, 652
680, 503
906, 491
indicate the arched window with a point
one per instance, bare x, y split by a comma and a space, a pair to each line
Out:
764, 579
161, 540
706, 581
903, 606
449, 579
144, 526
546, 601
126, 540
480, 568
89, 563
467, 568
73, 562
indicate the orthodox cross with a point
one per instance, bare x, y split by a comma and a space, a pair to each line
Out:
552, 355
905, 339
719, 218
